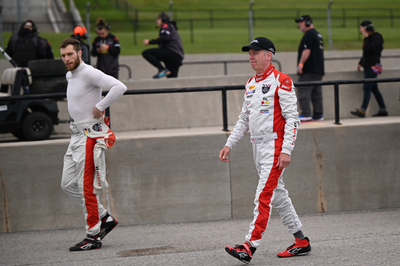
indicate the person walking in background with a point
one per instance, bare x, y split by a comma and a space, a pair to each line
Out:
310, 67
269, 112
107, 49
80, 35
84, 172
169, 51
370, 62
27, 45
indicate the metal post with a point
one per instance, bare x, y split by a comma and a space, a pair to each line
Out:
337, 113
251, 20
329, 24
226, 68
88, 24
191, 31
134, 33
391, 18
344, 18
211, 19
224, 110
170, 9
1, 30
19, 12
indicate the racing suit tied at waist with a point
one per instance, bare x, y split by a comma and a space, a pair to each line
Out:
265, 138
96, 128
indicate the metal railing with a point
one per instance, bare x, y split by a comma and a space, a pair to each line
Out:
223, 90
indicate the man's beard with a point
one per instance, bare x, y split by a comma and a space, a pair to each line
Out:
75, 64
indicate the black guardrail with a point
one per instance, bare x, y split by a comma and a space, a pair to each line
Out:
223, 90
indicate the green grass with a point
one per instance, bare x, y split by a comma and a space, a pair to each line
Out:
228, 31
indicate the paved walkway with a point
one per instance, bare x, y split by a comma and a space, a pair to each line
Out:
351, 238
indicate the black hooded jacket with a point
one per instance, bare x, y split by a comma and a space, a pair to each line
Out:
372, 50
169, 38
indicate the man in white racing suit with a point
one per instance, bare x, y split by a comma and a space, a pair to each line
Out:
269, 112
84, 162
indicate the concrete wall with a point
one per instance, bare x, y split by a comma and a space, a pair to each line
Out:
175, 175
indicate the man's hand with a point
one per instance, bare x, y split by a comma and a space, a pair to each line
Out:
358, 67
283, 161
146, 42
224, 153
97, 113
364, 32
300, 69
102, 48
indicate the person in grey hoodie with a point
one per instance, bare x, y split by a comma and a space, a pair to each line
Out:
169, 51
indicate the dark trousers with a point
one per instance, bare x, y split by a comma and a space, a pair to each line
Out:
313, 93
371, 87
171, 60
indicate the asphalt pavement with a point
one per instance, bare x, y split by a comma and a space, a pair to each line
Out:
350, 238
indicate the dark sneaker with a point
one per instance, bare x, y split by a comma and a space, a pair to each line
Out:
300, 247
107, 224
90, 242
305, 118
358, 113
381, 113
244, 252
162, 73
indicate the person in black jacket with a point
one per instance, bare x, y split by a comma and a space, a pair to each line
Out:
370, 62
169, 51
107, 48
27, 45
80, 35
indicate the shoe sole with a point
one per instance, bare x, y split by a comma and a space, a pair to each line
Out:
80, 249
301, 254
235, 255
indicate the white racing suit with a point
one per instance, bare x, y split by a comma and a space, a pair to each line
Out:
84, 172
270, 113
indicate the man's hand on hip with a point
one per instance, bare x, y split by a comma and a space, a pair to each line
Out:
97, 113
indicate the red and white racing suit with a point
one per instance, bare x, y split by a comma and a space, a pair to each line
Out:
84, 162
84, 172
270, 113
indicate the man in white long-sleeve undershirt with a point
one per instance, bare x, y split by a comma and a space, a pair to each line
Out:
84, 162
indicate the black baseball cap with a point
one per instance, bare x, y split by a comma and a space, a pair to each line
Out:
367, 24
260, 43
303, 18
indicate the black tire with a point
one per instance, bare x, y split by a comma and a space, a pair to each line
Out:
18, 134
37, 126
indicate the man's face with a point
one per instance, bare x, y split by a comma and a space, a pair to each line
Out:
159, 22
302, 26
260, 60
70, 57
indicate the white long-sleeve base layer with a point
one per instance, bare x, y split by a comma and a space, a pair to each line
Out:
84, 89
84, 161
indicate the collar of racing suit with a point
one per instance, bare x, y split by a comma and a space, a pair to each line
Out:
263, 76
